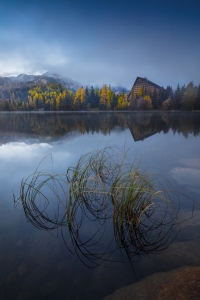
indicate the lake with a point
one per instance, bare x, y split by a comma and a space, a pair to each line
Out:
38, 262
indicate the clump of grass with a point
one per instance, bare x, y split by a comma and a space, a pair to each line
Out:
102, 186
90, 181
43, 196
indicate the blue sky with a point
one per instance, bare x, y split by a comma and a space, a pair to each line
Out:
102, 41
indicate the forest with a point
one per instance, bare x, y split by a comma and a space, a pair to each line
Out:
56, 97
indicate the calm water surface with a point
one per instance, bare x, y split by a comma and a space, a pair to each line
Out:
35, 263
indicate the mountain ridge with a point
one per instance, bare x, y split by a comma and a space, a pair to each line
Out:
28, 80
24, 80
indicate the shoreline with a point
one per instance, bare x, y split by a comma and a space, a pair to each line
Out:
100, 111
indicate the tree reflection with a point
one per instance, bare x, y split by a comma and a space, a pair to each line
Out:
56, 125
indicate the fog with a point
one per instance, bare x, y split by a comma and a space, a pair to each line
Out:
103, 41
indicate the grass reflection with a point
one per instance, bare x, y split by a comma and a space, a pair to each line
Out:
106, 204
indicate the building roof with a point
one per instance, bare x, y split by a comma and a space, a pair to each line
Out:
147, 81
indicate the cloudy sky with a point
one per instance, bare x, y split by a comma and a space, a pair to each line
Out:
102, 41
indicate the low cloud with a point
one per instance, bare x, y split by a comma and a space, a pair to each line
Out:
101, 43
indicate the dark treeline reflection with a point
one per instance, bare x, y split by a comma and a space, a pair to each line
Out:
141, 125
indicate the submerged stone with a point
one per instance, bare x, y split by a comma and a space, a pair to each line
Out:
181, 283
184, 285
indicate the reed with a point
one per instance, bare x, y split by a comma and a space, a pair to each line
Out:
105, 188
42, 195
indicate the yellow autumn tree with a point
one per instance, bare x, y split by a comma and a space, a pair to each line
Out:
58, 102
103, 95
122, 102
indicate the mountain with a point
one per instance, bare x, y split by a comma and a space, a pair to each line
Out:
3, 81
24, 80
66, 81
21, 78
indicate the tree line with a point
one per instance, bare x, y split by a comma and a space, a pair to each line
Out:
55, 97
182, 98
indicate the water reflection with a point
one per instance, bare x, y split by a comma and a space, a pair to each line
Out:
52, 126
107, 209
32, 260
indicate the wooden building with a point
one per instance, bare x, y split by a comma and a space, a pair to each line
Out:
145, 84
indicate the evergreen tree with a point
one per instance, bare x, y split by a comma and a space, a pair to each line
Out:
154, 98
177, 98
97, 97
114, 101
197, 102
161, 96
168, 92
5, 105
189, 97
91, 97
172, 101
183, 88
